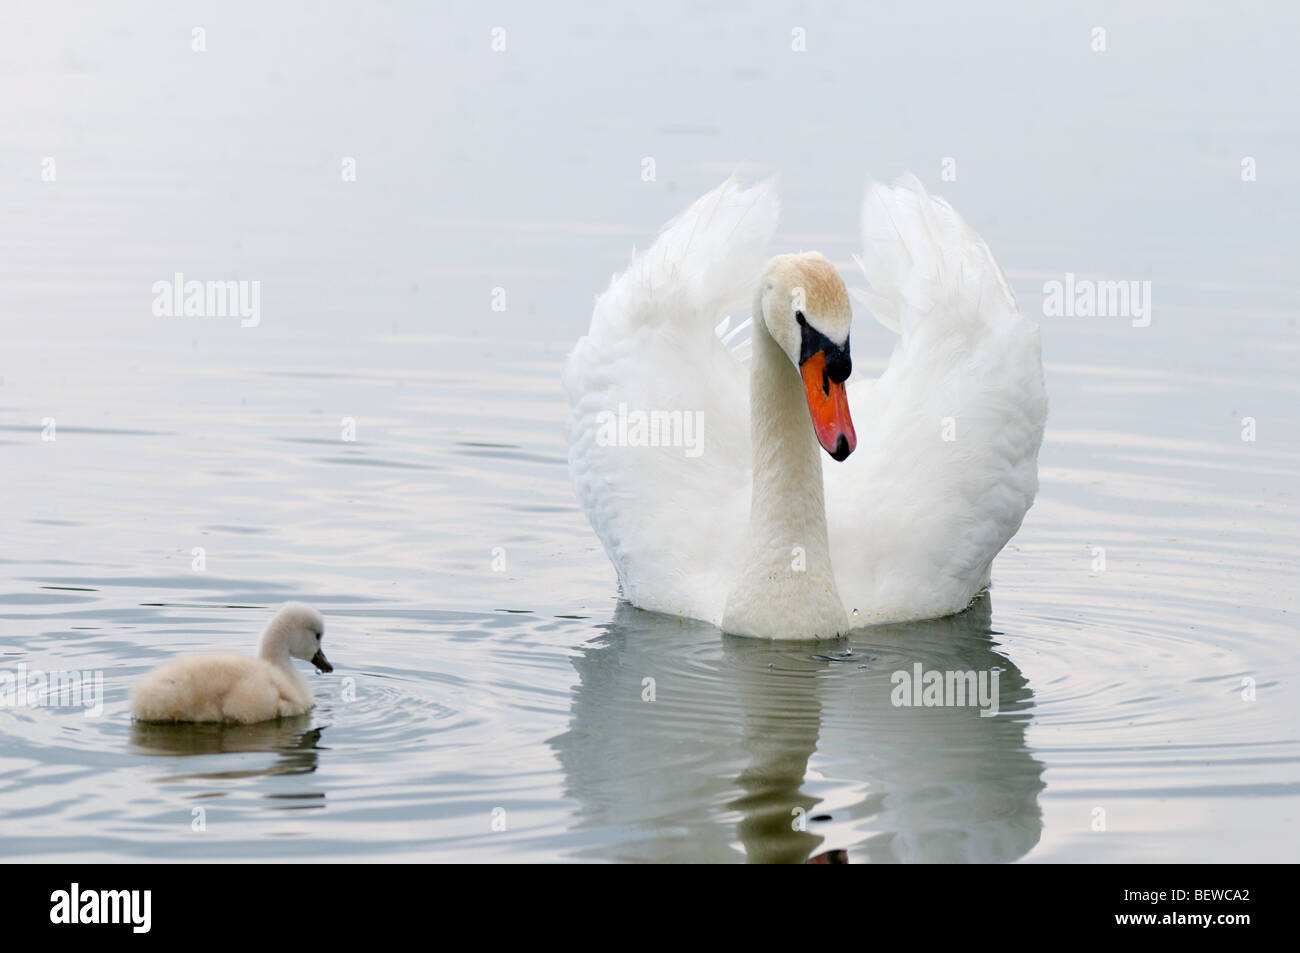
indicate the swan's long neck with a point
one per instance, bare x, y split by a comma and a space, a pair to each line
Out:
788, 503
787, 587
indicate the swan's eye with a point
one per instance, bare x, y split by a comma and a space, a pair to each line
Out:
798, 316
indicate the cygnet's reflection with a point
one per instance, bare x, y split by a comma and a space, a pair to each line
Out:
685, 745
292, 740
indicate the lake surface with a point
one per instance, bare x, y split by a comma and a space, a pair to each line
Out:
488, 701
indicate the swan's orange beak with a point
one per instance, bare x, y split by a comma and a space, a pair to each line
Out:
828, 402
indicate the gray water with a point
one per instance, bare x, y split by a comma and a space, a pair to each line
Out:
487, 702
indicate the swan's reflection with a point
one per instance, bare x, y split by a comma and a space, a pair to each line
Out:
292, 740
776, 752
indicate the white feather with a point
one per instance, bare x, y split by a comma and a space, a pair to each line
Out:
915, 519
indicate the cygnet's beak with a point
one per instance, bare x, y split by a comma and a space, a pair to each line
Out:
321, 662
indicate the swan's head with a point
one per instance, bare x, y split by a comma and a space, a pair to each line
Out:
806, 310
296, 629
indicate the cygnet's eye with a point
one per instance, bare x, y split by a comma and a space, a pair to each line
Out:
318, 635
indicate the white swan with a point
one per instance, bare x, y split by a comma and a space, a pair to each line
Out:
239, 688
728, 522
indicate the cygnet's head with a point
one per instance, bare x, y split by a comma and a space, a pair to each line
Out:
297, 629
805, 308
